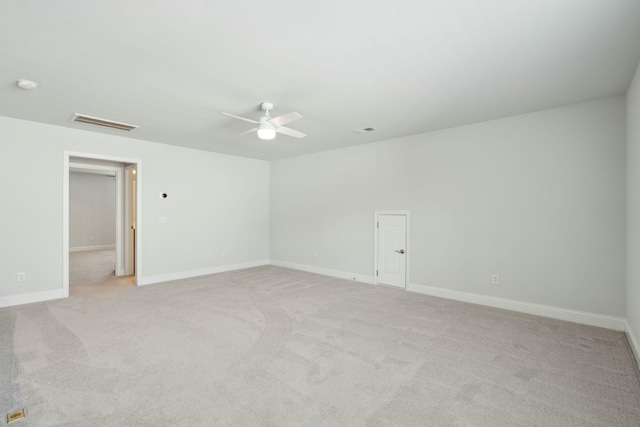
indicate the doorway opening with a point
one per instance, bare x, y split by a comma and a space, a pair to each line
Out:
101, 227
391, 247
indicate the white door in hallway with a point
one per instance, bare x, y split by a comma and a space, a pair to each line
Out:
130, 220
391, 268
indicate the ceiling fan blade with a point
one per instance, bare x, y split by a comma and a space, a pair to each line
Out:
248, 132
239, 118
290, 132
285, 118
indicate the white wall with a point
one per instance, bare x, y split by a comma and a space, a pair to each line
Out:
537, 198
217, 211
633, 211
92, 210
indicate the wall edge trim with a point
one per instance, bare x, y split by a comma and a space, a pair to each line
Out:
362, 278
160, 278
559, 313
12, 300
634, 342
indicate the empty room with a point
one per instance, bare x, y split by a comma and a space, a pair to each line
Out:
344, 213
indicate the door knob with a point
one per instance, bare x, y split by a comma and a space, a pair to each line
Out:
400, 251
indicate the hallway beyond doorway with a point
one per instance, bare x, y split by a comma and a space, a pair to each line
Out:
92, 273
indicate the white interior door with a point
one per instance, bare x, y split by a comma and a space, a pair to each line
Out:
392, 250
130, 221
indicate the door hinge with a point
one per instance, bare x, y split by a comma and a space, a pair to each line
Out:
376, 272
377, 224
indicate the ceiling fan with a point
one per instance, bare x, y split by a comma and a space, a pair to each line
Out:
268, 126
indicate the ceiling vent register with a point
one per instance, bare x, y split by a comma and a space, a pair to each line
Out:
102, 122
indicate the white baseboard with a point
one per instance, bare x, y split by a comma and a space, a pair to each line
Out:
150, 280
324, 271
32, 297
609, 322
634, 341
586, 318
91, 248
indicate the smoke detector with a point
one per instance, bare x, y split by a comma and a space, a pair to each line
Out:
27, 84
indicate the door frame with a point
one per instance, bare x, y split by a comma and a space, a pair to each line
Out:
119, 210
407, 258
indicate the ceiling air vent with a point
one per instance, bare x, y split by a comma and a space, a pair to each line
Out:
102, 122
365, 130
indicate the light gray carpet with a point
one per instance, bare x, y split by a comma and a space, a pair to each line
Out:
276, 347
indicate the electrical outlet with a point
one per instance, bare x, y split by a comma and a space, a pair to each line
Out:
22, 277
162, 219
495, 279
91, 238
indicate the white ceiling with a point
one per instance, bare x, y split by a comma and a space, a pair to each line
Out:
403, 67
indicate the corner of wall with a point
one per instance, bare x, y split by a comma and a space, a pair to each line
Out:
632, 296
633, 343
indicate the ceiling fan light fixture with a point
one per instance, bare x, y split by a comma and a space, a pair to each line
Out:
268, 126
266, 131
